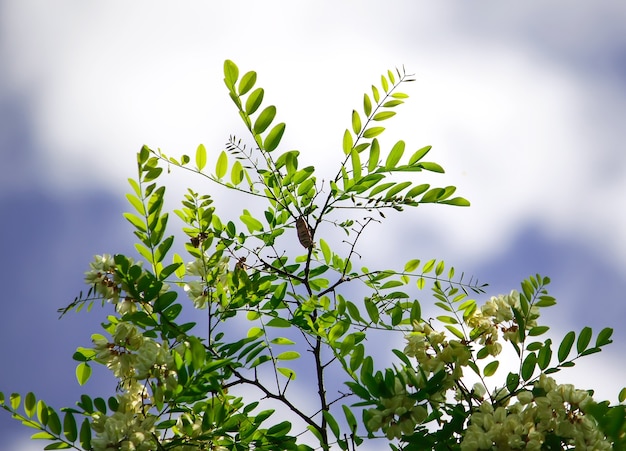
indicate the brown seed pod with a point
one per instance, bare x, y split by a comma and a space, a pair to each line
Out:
304, 232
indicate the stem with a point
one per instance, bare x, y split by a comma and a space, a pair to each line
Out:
321, 391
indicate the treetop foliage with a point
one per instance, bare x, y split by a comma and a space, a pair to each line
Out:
279, 323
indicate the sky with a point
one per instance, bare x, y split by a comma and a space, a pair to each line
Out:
523, 104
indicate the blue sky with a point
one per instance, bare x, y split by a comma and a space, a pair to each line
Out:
524, 106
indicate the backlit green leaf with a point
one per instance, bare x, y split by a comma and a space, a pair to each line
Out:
373, 132
491, 368
83, 372
347, 142
430, 166
247, 82
419, 154
372, 162
383, 115
367, 105
254, 100
356, 122
288, 355
236, 173
274, 136
394, 156
264, 120
222, 165
253, 224
201, 157
282, 341
325, 250
231, 73
287, 372
356, 164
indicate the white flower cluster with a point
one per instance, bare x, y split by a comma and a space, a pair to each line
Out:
127, 429
498, 312
558, 412
398, 415
211, 284
103, 277
132, 357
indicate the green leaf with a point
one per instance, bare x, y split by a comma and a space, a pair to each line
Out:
583, 339
412, 265
356, 122
347, 142
394, 156
372, 310
16, 400
222, 165
30, 404
247, 82
367, 105
428, 266
274, 136
287, 372
282, 341
430, 166
545, 355
254, 101
57, 445
380, 188
278, 322
372, 162
383, 115
236, 173
491, 368
264, 120
136, 202
85, 434
54, 423
288, 355
604, 337
528, 367
356, 164
416, 311
70, 429
512, 382
350, 418
456, 332
417, 190
396, 189
231, 73
325, 250
384, 84
201, 157
373, 132
43, 435
566, 346
419, 154
375, 94
457, 201
332, 423
83, 372
538, 330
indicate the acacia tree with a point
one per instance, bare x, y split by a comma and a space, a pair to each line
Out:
210, 386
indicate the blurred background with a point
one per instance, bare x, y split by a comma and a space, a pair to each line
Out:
523, 104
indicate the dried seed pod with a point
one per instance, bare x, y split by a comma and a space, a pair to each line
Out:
304, 232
